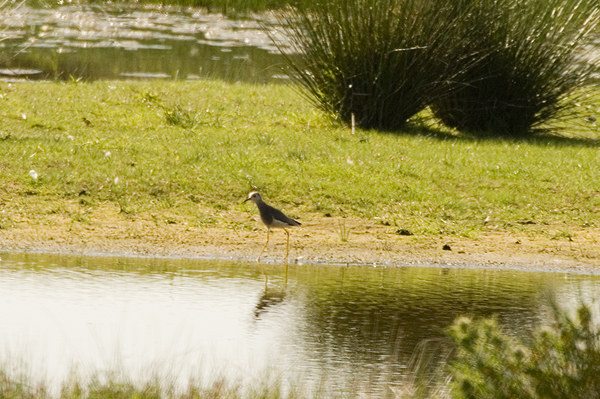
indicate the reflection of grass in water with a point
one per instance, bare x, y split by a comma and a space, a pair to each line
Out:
29, 49
91, 64
225, 6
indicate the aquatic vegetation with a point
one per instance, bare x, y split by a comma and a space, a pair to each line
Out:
132, 41
227, 7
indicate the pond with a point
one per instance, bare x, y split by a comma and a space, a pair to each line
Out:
134, 42
92, 42
346, 328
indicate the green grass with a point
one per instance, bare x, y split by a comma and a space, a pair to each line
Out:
178, 147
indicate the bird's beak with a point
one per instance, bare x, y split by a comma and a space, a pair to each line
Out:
246, 200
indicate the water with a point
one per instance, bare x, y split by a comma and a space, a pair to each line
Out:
124, 42
349, 325
127, 43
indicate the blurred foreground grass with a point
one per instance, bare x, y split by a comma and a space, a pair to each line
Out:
182, 147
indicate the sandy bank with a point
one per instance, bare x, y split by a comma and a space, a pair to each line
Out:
318, 241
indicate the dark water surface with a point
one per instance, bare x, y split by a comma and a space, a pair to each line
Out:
115, 42
349, 325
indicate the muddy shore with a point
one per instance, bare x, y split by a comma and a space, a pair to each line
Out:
317, 241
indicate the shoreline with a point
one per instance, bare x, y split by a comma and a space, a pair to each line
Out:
554, 266
316, 242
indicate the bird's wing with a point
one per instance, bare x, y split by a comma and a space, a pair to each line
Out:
277, 214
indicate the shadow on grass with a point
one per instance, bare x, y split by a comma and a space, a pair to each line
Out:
541, 138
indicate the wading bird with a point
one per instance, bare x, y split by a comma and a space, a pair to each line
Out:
273, 219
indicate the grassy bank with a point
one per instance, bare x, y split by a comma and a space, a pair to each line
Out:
192, 150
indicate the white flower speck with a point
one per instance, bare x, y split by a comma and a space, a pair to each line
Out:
33, 174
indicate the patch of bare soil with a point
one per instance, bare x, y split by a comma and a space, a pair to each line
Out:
319, 240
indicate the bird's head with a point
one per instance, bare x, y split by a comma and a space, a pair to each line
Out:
254, 196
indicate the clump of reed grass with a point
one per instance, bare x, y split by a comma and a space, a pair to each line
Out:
522, 64
500, 67
379, 60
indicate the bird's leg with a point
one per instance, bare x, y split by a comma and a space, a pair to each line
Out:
288, 243
263, 250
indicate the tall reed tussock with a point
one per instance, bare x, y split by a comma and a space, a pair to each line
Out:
522, 63
501, 67
379, 60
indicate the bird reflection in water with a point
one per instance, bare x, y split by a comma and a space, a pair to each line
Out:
269, 298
